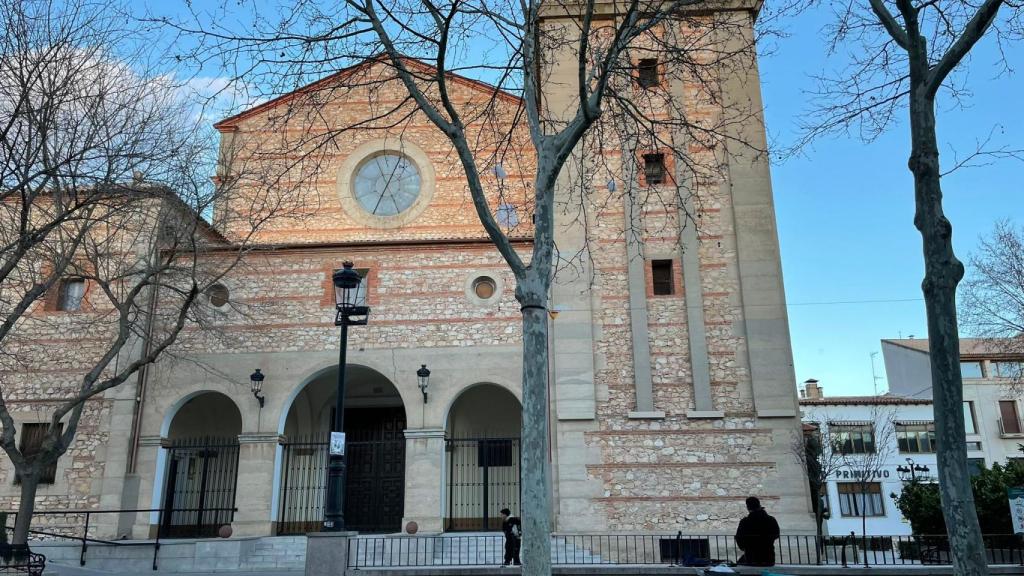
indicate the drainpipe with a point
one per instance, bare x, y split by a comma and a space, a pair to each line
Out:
141, 379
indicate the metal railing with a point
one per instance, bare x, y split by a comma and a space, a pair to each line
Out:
668, 549
71, 531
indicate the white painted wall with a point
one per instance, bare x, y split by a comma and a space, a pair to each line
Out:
892, 523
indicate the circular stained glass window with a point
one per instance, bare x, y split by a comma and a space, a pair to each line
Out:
387, 184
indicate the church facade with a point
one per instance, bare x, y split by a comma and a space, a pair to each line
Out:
671, 380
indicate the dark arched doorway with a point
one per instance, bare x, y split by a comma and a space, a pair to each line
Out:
202, 467
482, 448
375, 454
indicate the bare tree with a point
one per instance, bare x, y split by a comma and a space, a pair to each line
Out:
992, 295
865, 462
646, 82
902, 55
821, 460
103, 184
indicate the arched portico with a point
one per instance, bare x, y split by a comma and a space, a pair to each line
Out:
375, 453
482, 432
197, 472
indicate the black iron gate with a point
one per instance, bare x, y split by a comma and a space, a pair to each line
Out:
201, 479
374, 485
483, 478
374, 476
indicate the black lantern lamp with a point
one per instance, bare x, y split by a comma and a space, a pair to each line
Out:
346, 294
349, 313
423, 377
256, 384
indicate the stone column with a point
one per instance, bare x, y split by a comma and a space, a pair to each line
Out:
255, 485
151, 466
424, 479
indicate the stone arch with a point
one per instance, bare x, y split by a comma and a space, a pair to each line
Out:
482, 426
484, 410
197, 472
176, 408
375, 422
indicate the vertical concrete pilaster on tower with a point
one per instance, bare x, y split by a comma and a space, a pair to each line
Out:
637, 287
693, 285
255, 483
424, 479
572, 331
693, 291
762, 295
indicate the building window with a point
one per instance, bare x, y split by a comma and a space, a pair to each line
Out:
1008, 370
647, 72
662, 282
218, 295
971, 370
32, 436
484, 287
916, 438
969, 426
973, 446
975, 466
856, 499
654, 169
71, 293
387, 184
1009, 420
853, 438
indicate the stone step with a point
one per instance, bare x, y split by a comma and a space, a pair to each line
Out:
482, 550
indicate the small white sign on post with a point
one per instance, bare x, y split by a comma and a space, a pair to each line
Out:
1017, 508
337, 443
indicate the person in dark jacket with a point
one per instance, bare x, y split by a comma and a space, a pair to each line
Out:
756, 536
513, 530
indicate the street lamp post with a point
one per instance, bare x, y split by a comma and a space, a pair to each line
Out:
346, 291
911, 470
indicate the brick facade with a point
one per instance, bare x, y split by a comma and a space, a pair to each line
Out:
616, 472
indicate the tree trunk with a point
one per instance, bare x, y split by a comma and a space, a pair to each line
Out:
942, 274
29, 485
532, 293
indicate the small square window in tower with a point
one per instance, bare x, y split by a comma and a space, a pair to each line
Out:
654, 169
661, 278
647, 72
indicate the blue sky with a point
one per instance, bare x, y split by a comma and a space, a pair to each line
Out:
845, 212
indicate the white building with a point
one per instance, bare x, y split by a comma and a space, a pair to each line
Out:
992, 393
880, 434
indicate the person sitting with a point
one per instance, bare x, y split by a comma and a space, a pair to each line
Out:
756, 536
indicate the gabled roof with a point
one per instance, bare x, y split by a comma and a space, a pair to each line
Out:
410, 63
